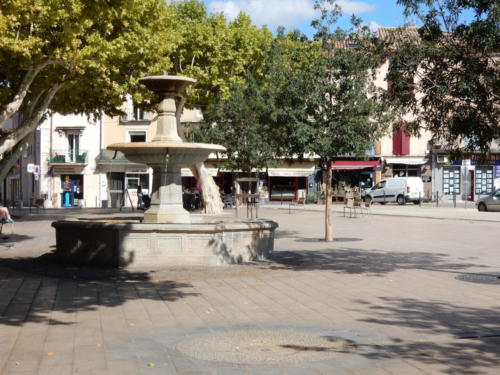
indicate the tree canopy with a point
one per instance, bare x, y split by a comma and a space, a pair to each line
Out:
258, 121
216, 52
452, 67
74, 56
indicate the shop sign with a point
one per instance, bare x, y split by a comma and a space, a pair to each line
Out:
493, 159
496, 178
496, 171
33, 168
137, 170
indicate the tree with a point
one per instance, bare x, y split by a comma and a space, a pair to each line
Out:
259, 115
453, 67
217, 53
74, 56
346, 112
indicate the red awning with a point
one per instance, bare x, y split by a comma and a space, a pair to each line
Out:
354, 164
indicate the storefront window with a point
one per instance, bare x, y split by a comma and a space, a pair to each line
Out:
72, 190
403, 170
484, 180
451, 181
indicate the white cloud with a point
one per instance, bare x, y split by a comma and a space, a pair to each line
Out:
373, 26
288, 13
355, 7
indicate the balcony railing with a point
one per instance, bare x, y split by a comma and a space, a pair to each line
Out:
68, 157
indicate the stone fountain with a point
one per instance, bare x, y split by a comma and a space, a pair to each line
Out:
168, 235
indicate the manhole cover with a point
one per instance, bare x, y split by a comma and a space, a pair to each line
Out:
484, 278
270, 346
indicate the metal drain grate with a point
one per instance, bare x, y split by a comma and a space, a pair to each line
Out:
483, 278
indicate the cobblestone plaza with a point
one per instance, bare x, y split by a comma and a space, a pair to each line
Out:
393, 294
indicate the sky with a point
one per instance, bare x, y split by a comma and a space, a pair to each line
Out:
298, 14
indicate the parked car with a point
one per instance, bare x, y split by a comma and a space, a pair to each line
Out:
489, 203
398, 189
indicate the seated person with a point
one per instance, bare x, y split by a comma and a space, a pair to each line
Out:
5, 215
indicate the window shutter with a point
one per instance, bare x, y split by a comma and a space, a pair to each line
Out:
400, 142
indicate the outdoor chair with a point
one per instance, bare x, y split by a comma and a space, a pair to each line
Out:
37, 203
366, 207
351, 206
228, 200
4, 221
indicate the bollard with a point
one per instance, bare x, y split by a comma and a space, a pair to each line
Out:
437, 199
419, 199
455, 200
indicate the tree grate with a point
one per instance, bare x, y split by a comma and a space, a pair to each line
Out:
483, 278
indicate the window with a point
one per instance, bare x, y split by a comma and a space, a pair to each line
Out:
134, 113
404, 170
451, 181
73, 146
484, 181
137, 113
137, 136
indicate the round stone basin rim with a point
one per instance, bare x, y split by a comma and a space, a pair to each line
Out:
166, 83
195, 227
165, 145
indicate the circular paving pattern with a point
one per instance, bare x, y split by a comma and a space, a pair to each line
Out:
266, 346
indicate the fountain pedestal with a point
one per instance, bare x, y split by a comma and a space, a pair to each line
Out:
167, 153
168, 235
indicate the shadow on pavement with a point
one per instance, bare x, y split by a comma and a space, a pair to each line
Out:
469, 337
8, 239
357, 261
32, 289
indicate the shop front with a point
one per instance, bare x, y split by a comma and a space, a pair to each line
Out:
350, 174
71, 190
469, 179
288, 184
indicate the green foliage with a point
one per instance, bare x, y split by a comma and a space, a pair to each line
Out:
346, 112
314, 97
215, 52
454, 70
100, 49
261, 119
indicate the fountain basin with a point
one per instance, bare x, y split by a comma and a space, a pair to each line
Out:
165, 84
181, 153
216, 241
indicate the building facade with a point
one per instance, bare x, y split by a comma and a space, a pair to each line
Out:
68, 148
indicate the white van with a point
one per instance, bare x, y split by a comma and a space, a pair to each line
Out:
399, 189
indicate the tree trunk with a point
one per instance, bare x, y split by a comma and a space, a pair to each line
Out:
328, 203
8, 161
29, 122
13, 107
211, 197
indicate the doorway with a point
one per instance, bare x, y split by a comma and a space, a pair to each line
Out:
471, 179
72, 190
